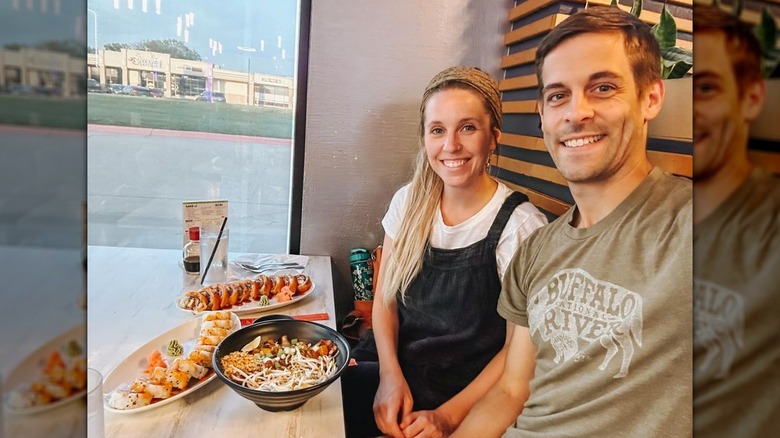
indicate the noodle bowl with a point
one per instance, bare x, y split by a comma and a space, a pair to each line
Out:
281, 378
282, 366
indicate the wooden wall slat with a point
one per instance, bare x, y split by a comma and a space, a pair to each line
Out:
651, 17
678, 164
516, 83
519, 107
518, 58
528, 7
523, 141
541, 200
532, 29
768, 160
529, 169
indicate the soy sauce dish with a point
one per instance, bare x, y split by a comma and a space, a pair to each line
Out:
273, 328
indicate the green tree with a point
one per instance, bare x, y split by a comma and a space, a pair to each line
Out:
175, 48
74, 48
116, 47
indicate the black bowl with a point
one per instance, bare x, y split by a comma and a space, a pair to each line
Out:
272, 317
306, 331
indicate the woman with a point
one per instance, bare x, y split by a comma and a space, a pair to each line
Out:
437, 340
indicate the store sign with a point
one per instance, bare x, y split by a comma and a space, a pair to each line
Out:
147, 62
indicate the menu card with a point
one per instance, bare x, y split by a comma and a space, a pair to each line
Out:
196, 213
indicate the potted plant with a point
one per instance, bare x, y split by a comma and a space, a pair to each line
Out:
674, 122
765, 126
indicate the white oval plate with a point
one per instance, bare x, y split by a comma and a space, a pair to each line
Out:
32, 366
254, 306
125, 373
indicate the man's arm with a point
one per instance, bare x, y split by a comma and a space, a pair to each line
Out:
501, 405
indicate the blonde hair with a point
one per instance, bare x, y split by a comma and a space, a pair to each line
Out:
426, 187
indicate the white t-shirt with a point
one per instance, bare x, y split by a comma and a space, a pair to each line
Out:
524, 220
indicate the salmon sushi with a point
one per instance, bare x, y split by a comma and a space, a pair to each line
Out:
123, 399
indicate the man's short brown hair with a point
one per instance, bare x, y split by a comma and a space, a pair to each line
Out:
742, 47
642, 49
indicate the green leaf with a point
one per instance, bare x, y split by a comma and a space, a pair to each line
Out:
636, 8
677, 54
772, 63
675, 69
766, 31
665, 31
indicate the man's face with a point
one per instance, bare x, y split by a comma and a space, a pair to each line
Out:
721, 117
593, 118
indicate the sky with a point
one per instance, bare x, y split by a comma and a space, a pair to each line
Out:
33, 21
249, 24
267, 26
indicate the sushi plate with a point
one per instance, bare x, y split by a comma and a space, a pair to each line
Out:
255, 307
132, 367
32, 366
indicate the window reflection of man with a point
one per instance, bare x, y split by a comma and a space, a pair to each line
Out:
736, 216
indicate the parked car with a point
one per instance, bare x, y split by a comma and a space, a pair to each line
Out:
157, 92
135, 90
211, 96
93, 86
116, 88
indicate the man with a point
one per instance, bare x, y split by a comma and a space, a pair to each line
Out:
600, 299
736, 240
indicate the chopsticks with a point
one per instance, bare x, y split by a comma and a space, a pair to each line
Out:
305, 317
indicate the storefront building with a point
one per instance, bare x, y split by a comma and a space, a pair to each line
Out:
34, 71
185, 79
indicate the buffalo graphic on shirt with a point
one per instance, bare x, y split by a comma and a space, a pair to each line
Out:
718, 325
575, 307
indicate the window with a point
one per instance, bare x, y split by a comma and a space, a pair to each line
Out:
147, 155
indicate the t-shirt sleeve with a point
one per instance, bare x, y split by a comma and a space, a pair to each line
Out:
525, 220
512, 303
395, 212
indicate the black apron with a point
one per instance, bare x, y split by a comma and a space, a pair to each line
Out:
449, 328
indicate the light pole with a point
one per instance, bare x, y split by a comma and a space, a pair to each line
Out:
248, 72
97, 57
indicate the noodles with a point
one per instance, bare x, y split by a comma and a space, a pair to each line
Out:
285, 366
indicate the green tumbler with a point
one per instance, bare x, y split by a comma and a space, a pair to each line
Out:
362, 274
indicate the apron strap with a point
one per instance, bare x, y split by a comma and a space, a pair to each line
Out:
510, 203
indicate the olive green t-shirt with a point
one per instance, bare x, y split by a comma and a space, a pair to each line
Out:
608, 308
736, 356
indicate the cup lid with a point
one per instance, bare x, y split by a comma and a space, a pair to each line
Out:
359, 255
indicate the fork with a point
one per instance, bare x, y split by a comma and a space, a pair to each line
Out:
269, 266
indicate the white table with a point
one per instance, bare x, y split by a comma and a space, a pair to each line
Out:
132, 299
46, 286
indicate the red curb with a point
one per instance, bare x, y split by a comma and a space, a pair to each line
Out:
41, 131
187, 134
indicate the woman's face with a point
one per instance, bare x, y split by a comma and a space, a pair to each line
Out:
458, 136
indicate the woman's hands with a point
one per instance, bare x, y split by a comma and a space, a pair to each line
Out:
427, 424
393, 400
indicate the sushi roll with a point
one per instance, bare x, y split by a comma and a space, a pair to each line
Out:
123, 399
161, 391
214, 331
209, 340
25, 398
202, 358
179, 379
218, 323
190, 367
